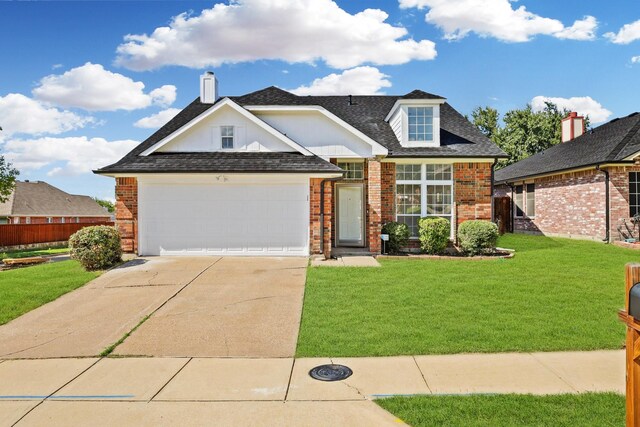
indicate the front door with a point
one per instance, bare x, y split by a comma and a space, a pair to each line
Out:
350, 215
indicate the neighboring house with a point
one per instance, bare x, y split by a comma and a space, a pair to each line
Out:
272, 173
36, 202
585, 187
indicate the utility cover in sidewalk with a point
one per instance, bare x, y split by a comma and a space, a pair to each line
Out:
330, 372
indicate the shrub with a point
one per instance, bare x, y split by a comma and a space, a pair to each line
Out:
97, 247
398, 236
477, 237
434, 234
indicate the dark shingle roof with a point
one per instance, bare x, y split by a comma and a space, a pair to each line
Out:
259, 162
37, 198
458, 137
611, 142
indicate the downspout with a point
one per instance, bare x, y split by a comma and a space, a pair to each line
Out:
493, 170
322, 209
512, 214
607, 216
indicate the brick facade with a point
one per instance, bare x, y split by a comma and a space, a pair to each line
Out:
315, 227
388, 190
472, 191
127, 212
573, 204
374, 204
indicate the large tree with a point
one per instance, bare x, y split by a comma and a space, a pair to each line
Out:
8, 176
524, 132
109, 206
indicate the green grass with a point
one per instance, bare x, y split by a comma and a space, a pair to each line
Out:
24, 289
25, 253
591, 409
555, 294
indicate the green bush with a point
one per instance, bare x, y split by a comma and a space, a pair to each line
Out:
398, 236
97, 247
477, 237
434, 234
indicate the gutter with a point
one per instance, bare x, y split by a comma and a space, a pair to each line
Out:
607, 216
322, 210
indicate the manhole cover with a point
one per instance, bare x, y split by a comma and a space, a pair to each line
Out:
330, 372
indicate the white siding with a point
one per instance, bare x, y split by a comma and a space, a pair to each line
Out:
396, 123
205, 136
317, 133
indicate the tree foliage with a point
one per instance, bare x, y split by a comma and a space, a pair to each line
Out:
109, 206
523, 132
8, 176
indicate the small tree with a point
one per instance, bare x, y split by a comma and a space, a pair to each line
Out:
8, 176
109, 206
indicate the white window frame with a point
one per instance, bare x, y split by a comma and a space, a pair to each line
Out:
526, 199
223, 137
28, 220
49, 220
435, 141
16, 220
77, 220
424, 184
344, 164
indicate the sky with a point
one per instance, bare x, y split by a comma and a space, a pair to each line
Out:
83, 82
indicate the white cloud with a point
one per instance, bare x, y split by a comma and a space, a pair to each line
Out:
164, 95
356, 81
93, 88
627, 34
635, 59
155, 121
498, 19
78, 154
21, 114
584, 105
292, 31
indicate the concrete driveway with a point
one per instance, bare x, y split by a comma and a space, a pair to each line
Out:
200, 306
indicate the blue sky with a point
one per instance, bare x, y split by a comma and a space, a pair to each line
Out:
71, 81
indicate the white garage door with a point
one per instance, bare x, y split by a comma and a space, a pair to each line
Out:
224, 218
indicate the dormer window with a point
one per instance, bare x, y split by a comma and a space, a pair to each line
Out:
420, 123
226, 133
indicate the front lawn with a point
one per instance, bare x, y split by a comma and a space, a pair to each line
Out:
25, 253
555, 294
24, 289
592, 409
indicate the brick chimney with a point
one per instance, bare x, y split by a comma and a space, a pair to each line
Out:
572, 126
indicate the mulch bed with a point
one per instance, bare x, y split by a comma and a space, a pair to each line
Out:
454, 255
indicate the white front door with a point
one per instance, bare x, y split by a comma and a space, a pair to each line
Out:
350, 215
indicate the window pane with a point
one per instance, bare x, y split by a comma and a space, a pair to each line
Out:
420, 121
634, 194
531, 199
518, 201
438, 200
408, 172
355, 170
412, 223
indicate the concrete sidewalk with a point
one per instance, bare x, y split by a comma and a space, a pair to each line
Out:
237, 391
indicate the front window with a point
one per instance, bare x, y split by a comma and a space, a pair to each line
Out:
420, 120
354, 170
49, 220
531, 200
226, 133
519, 201
634, 193
421, 191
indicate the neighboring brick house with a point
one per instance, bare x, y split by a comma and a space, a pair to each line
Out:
36, 202
586, 187
272, 173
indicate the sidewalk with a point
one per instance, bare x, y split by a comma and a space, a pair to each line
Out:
152, 391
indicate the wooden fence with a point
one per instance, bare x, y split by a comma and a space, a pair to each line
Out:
27, 234
502, 213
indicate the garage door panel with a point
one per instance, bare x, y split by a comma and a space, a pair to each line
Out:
224, 219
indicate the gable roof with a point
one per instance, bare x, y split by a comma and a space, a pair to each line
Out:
612, 142
366, 114
37, 198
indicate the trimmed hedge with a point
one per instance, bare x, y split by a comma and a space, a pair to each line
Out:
97, 247
398, 236
477, 237
434, 234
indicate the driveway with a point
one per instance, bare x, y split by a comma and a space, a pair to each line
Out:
200, 306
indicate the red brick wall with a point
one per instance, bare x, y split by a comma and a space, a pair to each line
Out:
472, 191
127, 212
374, 204
315, 228
388, 190
619, 197
58, 219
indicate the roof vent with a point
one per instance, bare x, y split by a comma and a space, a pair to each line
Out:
572, 126
208, 88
